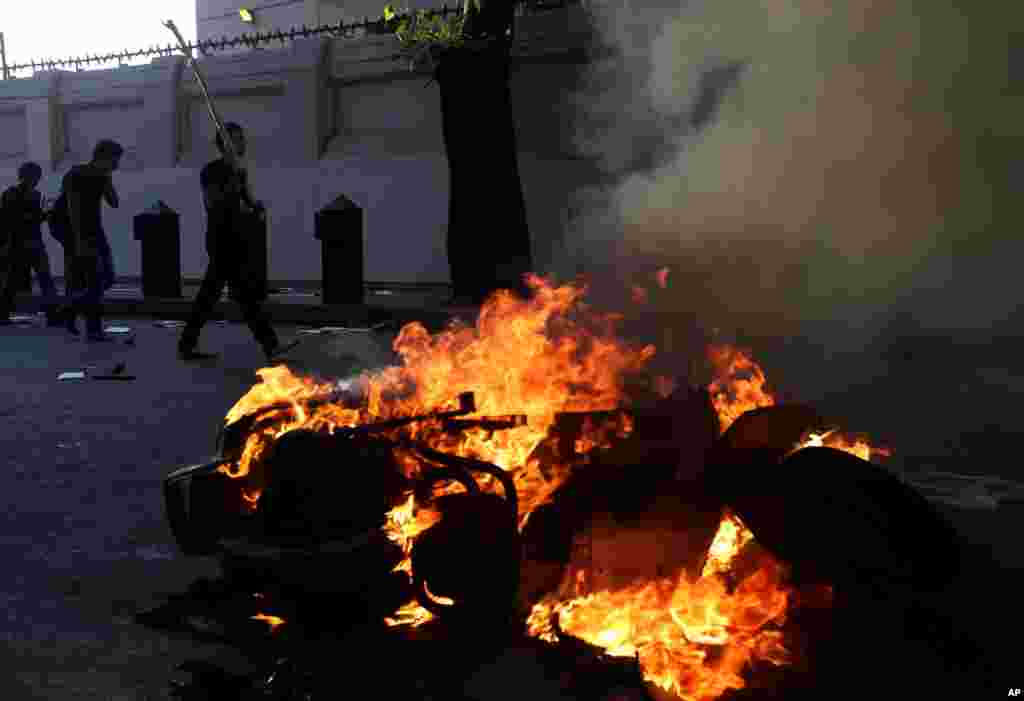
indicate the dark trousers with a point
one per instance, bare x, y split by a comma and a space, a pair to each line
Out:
26, 257
89, 277
228, 269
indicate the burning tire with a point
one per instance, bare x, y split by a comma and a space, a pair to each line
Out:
470, 557
900, 572
765, 434
467, 566
846, 520
203, 505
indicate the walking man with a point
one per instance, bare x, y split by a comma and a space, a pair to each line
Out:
89, 264
23, 215
230, 215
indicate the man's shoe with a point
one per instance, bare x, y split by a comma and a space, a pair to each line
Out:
191, 355
278, 354
56, 318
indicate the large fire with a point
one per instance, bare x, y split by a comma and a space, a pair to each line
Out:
537, 358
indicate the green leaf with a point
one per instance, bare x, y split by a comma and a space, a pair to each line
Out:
389, 13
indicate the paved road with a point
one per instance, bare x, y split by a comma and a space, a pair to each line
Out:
83, 534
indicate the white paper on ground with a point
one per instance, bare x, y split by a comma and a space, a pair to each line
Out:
169, 324
71, 376
118, 329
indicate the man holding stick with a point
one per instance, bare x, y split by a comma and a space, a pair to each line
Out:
231, 214
228, 204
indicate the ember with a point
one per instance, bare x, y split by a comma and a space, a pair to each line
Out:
693, 638
273, 621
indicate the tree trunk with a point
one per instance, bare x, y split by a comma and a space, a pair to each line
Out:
488, 237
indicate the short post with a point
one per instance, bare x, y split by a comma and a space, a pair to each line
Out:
158, 229
339, 227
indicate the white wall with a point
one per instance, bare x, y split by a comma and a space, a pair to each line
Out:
324, 117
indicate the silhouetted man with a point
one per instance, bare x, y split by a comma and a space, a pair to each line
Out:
230, 213
23, 215
89, 265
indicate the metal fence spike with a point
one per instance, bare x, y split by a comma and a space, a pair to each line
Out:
339, 29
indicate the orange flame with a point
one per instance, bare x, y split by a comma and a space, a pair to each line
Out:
273, 621
539, 357
740, 386
693, 638
410, 614
535, 357
730, 538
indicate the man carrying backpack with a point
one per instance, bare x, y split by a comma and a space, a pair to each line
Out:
21, 220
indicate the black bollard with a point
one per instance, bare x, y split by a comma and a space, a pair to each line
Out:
158, 229
339, 227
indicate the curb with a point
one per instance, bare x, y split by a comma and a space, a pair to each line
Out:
353, 315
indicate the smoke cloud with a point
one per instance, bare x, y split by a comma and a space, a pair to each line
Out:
802, 160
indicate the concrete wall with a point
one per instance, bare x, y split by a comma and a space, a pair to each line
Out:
219, 18
324, 117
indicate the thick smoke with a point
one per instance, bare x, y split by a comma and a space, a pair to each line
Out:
802, 160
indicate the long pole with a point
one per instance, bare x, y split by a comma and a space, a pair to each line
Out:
218, 123
3, 56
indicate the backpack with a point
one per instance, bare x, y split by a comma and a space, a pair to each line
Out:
60, 219
6, 228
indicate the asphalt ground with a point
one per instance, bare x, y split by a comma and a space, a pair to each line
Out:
84, 538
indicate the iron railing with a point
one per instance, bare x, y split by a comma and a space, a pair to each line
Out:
254, 40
